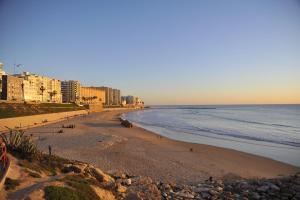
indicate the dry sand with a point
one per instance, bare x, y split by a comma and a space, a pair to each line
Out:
99, 139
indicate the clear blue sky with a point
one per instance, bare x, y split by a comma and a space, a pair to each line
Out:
168, 52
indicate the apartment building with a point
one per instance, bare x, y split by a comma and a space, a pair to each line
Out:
40, 88
116, 97
54, 90
12, 88
112, 96
92, 95
132, 100
70, 91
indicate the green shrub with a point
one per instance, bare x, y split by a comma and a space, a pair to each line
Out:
11, 184
19, 144
60, 193
82, 186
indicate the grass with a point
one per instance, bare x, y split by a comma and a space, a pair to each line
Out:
79, 189
11, 184
60, 193
45, 163
33, 174
82, 186
8, 110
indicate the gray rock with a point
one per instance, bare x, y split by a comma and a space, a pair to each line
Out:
202, 189
273, 186
184, 195
255, 196
263, 188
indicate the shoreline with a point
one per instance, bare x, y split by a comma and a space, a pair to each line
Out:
99, 139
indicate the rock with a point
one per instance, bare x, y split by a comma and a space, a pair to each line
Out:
205, 195
184, 195
213, 192
103, 194
272, 186
133, 196
126, 123
80, 166
100, 175
296, 188
199, 190
243, 185
121, 188
71, 168
219, 189
263, 188
127, 181
255, 196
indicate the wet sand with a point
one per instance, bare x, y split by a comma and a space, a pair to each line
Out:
99, 139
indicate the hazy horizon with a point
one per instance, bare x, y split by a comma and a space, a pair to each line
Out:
169, 53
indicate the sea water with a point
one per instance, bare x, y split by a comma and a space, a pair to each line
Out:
271, 131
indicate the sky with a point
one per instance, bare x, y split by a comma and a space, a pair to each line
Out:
167, 52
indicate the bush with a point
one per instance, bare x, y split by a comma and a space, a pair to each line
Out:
82, 186
60, 193
11, 184
20, 144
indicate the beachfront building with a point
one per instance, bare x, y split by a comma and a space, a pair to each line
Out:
132, 101
12, 88
92, 95
70, 91
112, 96
108, 95
54, 91
38, 88
116, 97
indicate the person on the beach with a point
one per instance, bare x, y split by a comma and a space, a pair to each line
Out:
50, 150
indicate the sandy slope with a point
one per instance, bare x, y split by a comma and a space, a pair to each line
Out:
99, 139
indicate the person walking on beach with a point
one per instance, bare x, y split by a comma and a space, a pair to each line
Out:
50, 150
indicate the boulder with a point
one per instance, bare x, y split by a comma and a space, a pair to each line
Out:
126, 123
121, 188
133, 196
100, 175
127, 181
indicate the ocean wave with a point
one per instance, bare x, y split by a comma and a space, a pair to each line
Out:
216, 132
249, 122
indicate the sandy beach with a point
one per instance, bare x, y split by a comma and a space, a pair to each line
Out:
99, 139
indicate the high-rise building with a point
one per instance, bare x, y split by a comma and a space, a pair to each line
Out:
116, 97
107, 91
70, 91
12, 89
132, 100
112, 96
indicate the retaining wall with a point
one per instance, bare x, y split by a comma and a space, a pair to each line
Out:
37, 120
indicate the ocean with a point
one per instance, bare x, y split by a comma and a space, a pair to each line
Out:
271, 131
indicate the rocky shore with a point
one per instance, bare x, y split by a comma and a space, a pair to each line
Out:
57, 178
137, 187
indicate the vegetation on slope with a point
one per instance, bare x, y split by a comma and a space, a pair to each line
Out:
8, 110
